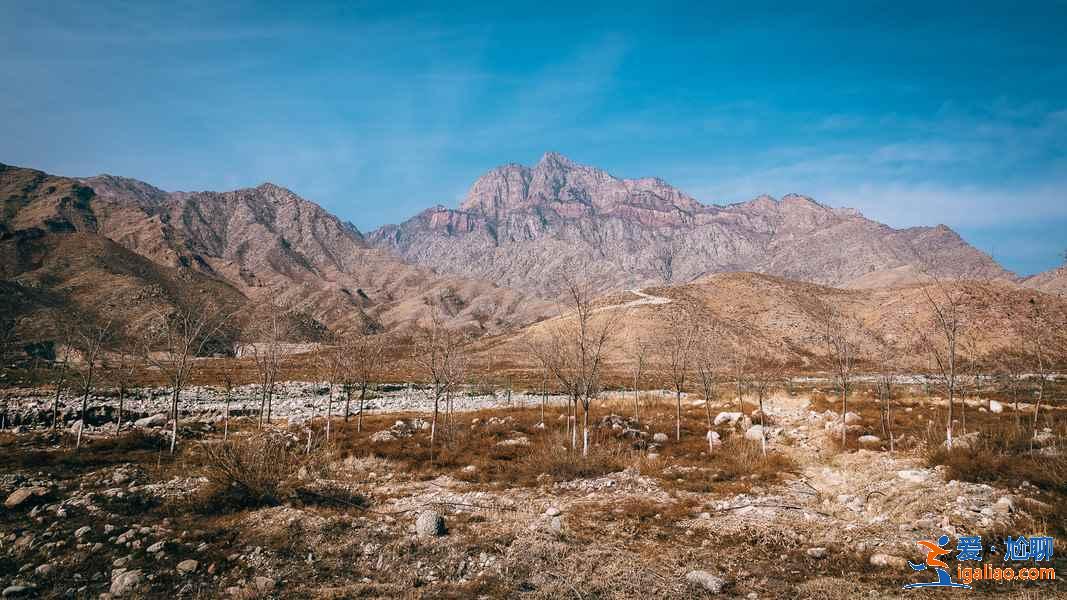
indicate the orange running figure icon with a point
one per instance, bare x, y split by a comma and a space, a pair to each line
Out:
935, 551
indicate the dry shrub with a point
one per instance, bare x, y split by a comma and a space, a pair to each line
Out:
1000, 454
245, 472
737, 460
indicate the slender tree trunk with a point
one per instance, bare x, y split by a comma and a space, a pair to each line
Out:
678, 414
226, 417
573, 423
844, 411
348, 400
122, 404
740, 399
359, 417
762, 426
951, 403
174, 414
270, 400
85, 406
59, 390
585, 428
433, 423
329, 413
637, 402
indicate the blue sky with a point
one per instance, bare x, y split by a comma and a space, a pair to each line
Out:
914, 113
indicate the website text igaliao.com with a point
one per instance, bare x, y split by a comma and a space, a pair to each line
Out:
987, 571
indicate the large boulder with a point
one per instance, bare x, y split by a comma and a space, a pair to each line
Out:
728, 417
870, 441
429, 524
852, 418
157, 420
25, 496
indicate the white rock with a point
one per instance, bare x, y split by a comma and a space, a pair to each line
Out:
714, 439
754, 433
429, 524
660, 438
125, 582
914, 475
187, 566
869, 440
852, 418
995, 407
818, 552
152, 421
887, 560
727, 417
706, 580
552, 511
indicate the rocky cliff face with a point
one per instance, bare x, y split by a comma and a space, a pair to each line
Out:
521, 227
266, 242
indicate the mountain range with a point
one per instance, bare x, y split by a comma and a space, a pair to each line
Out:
495, 263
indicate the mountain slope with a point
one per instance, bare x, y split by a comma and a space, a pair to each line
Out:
266, 243
1053, 281
521, 227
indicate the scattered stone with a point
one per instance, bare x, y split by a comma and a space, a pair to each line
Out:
995, 407
126, 582
187, 566
82, 531
713, 439
263, 584
914, 475
22, 495
887, 560
552, 511
754, 433
706, 580
44, 570
429, 524
869, 440
852, 418
382, 436
156, 420
17, 591
728, 417
660, 438
156, 547
818, 552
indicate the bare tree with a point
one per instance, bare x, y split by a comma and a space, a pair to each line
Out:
1038, 329
440, 355
664, 256
61, 374
765, 375
708, 361
175, 339
839, 332
230, 375
90, 339
121, 368
638, 355
265, 340
364, 362
8, 337
331, 362
941, 340
886, 359
676, 349
573, 348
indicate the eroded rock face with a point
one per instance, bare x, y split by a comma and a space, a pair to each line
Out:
519, 226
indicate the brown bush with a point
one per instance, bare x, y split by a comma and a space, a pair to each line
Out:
245, 472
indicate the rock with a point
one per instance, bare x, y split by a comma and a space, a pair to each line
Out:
914, 475
22, 495
660, 438
995, 407
17, 591
816, 553
263, 584
887, 560
82, 531
187, 566
125, 582
870, 440
156, 420
713, 439
1004, 505
754, 433
552, 511
519, 441
728, 417
555, 525
429, 524
706, 580
44, 570
852, 418
156, 547
382, 436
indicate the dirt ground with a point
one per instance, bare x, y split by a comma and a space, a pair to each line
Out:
502, 508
